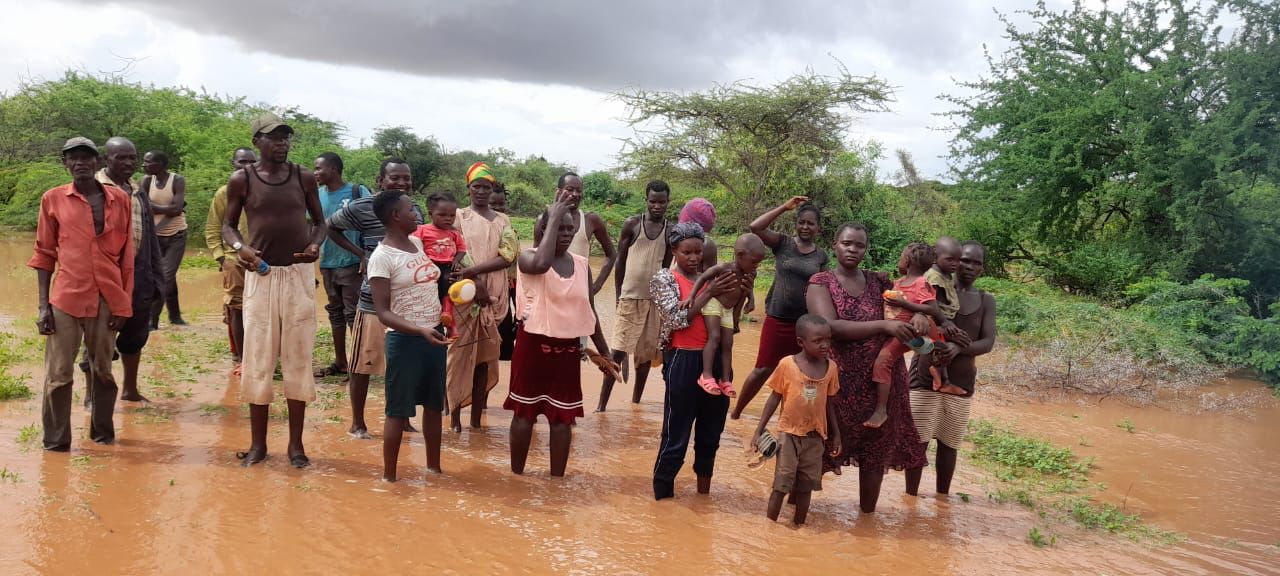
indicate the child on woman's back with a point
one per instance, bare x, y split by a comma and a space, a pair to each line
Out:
443, 243
802, 383
724, 312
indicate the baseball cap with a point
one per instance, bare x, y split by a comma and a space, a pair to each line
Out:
79, 142
267, 122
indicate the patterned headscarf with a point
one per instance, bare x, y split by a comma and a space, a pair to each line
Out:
684, 231
478, 171
700, 211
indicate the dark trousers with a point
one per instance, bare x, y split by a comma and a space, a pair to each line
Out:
171, 249
689, 413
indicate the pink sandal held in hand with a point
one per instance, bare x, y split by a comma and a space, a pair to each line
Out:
709, 384
727, 388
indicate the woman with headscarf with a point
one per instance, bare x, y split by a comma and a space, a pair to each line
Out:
491, 247
689, 412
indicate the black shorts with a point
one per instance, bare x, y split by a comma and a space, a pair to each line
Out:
134, 334
415, 375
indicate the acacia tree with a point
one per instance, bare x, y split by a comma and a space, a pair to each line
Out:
1115, 143
759, 143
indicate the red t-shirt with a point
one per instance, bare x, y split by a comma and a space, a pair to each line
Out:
695, 336
441, 245
917, 292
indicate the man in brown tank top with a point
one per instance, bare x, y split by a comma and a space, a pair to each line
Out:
276, 196
938, 415
642, 251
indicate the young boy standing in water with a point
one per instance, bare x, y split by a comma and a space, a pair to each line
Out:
802, 383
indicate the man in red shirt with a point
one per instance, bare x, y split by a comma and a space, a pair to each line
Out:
85, 232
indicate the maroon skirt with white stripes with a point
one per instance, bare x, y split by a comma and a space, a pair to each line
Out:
546, 378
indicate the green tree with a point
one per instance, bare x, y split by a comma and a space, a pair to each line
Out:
601, 188
1120, 140
760, 144
423, 154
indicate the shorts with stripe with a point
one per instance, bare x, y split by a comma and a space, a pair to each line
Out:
941, 416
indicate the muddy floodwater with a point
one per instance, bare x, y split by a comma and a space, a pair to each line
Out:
170, 497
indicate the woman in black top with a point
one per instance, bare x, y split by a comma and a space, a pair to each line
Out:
796, 259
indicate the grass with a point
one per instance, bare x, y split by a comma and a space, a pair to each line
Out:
81, 461
1038, 539
199, 261
209, 409
10, 476
13, 386
1126, 425
152, 414
1051, 480
28, 434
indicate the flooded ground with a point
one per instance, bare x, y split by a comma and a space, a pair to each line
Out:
171, 498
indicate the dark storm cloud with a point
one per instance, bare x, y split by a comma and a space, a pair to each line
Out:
602, 45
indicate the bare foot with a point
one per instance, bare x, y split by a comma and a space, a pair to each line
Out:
435, 470
134, 396
254, 455
877, 420
389, 479
359, 433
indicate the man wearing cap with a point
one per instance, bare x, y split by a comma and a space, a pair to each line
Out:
84, 232
276, 196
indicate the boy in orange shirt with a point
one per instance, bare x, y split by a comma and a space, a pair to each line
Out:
802, 383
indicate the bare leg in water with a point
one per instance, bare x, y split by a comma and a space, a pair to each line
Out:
258, 435
358, 389
479, 394
393, 433
130, 389
868, 489
946, 463
521, 437
297, 421
755, 380
606, 389
561, 439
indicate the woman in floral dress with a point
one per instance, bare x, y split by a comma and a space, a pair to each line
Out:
850, 299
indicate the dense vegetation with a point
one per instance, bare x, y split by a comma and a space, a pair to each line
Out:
1122, 166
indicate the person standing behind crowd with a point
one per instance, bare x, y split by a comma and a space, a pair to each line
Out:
339, 269
368, 335
556, 310
492, 246
642, 251
84, 232
689, 412
944, 417
796, 259
122, 162
167, 193
507, 328
403, 281
232, 273
278, 196
586, 225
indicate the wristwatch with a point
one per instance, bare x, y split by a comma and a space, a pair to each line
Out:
237, 246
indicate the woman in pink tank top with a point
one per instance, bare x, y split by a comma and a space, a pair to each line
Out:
555, 309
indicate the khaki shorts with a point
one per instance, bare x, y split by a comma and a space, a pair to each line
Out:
279, 324
944, 417
368, 345
637, 329
232, 283
713, 307
799, 463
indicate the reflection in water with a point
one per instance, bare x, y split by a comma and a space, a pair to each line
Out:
170, 497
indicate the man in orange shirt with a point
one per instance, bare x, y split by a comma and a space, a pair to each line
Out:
85, 232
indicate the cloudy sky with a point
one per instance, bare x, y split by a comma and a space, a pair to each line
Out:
533, 77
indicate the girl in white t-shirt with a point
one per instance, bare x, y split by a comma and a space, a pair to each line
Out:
403, 281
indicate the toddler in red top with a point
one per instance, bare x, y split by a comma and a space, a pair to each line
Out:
912, 294
443, 244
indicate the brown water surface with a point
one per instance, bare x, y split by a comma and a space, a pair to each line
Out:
171, 498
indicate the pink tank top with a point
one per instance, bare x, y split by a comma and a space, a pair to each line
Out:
557, 307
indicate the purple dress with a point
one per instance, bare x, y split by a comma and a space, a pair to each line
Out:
896, 444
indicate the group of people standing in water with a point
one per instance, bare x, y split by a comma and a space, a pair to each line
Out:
830, 349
